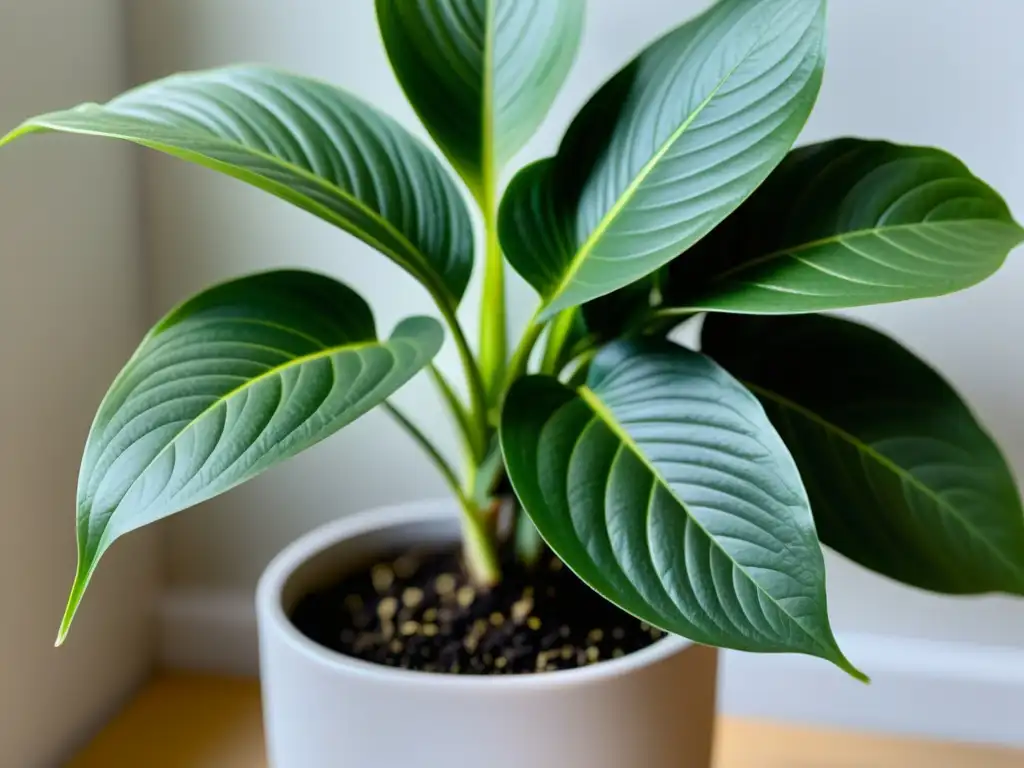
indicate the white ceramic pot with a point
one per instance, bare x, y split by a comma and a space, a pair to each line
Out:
651, 709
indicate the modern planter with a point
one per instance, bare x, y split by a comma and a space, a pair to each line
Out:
654, 708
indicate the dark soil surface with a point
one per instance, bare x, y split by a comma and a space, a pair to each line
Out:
418, 611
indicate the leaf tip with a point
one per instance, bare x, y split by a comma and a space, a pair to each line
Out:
856, 674
65, 627
11, 135
844, 664
74, 599
23, 129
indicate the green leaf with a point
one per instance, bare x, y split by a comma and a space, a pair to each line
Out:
902, 478
237, 379
662, 484
481, 74
849, 223
665, 150
308, 143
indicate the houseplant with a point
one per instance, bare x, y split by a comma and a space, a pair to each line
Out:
680, 498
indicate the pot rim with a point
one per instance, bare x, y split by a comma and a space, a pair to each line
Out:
294, 556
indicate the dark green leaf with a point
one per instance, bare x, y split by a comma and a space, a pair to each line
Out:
666, 149
241, 377
849, 223
308, 143
481, 74
664, 486
901, 477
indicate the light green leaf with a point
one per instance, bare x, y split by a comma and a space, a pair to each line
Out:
848, 223
663, 485
481, 74
308, 143
902, 478
665, 150
237, 379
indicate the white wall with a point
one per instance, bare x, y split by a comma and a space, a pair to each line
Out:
69, 314
943, 72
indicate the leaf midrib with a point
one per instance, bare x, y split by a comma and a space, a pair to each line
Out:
414, 256
276, 371
487, 159
608, 418
885, 462
634, 186
837, 239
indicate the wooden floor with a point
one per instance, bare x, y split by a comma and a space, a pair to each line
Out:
185, 721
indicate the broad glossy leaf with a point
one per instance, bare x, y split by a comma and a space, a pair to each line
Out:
481, 74
237, 379
308, 143
663, 485
666, 149
848, 223
902, 478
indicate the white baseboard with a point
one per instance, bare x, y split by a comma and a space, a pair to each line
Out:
944, 690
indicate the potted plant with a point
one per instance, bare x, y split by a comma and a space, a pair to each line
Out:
686, 492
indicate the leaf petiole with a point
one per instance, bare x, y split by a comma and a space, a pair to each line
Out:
481, 556
474, 381
470, 437
558, 336
521, 357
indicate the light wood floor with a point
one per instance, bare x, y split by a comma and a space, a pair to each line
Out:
187, 721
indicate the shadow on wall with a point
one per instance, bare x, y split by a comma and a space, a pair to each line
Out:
70, 309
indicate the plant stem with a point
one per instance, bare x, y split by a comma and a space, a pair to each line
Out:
583, 360
481, 556
521, 357
428, 447
561, 328
488, 472
470, 439
493, 332
477, 395
529, 545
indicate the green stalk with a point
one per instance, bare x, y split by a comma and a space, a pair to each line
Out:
468, 436
579, 374
560, 330
493, 331
477, 393
529, 545
481, 555
521, 357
